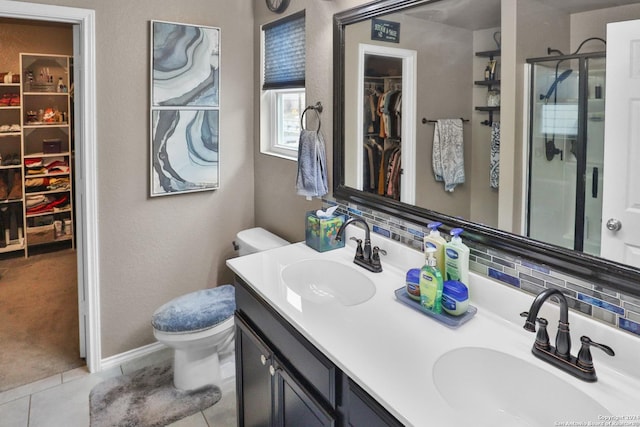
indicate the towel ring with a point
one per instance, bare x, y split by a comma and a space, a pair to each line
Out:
318, 109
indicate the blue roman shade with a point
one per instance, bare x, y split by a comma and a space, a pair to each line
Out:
284, 53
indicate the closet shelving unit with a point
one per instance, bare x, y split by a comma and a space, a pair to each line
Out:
11, 203
490, 84
47, 141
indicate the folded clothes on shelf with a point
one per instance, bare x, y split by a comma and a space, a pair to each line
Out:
48, 205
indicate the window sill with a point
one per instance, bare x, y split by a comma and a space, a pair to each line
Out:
283, 155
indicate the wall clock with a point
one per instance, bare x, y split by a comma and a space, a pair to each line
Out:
277, 6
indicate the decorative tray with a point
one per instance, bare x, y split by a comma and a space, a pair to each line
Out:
444, 318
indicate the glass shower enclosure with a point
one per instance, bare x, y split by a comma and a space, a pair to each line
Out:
566, 149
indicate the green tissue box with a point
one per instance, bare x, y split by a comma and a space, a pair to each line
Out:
320, 233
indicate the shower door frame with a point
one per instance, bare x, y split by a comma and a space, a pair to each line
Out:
581, 138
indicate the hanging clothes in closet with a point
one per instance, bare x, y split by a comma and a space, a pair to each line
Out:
373, 149
381, 146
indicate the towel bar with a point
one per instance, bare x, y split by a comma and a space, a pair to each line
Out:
425, 120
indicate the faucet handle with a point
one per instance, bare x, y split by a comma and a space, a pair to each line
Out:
359, 252
542, 337
375, 255
375, 258
584, 355
377, 249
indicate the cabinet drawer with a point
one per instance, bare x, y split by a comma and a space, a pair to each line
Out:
306, 362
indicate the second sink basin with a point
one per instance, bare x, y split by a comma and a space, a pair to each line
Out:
326, 281
498, 389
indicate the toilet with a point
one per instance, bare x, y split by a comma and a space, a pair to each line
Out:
199, 325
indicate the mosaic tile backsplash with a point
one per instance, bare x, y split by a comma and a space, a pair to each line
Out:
606, 305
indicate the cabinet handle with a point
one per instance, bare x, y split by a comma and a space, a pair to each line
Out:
272, 370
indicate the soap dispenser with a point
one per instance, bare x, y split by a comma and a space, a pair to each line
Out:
431, 283
456, 258
435, 240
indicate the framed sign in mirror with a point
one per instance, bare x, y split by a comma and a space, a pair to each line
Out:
185, 108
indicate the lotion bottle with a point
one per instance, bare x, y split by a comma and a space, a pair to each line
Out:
431, 283
435, 240
456, 258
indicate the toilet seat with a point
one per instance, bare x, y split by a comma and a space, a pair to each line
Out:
196, 311
174, 339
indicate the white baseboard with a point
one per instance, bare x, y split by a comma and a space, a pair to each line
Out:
130, 355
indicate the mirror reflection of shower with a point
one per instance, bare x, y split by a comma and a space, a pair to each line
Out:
566, 148
552, 94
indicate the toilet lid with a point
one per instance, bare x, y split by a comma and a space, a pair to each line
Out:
196, 311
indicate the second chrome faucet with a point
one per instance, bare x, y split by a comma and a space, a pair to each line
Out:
366, 256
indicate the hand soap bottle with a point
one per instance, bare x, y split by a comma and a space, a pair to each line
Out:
456, 258
435, 240
431, 283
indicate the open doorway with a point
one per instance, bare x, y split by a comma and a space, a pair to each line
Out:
82, 22
39, 288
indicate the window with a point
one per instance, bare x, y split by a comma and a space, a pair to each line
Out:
283, 91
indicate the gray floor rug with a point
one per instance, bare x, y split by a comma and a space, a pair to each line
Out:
146, 398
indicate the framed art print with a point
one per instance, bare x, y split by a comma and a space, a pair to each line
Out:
185, 108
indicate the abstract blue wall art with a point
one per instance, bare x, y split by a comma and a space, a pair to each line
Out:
186, 65
184, 150
185, 108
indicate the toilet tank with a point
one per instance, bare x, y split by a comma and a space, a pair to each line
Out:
257, 239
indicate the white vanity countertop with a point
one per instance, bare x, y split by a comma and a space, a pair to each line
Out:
390, 349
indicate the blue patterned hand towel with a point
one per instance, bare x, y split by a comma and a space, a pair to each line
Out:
448, 153
312, 165
494, 177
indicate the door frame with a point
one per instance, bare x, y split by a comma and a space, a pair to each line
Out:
85, 176
408, 127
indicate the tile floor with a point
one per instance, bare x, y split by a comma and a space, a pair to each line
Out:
63, 400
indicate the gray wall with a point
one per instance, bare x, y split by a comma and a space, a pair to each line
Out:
152, 250
278, 208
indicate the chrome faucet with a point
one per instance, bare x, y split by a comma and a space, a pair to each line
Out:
366, 257
560, 355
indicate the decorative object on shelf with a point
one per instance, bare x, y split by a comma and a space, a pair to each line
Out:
497, 37
493, 98
492, 69
277, 6
185, 84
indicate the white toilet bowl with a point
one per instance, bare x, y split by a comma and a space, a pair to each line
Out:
196, 355
199, 326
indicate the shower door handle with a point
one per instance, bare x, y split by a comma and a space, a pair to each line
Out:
614, 224
594, 183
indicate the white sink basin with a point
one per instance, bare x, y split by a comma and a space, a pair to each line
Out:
496, 389
326, 281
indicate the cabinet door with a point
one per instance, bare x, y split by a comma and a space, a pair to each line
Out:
294, 405
364, 411
254, 383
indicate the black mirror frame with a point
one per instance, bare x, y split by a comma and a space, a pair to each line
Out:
598, 271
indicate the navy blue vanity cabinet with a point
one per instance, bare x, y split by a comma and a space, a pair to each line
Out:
281, 378
284, 380
253, 379
363, 410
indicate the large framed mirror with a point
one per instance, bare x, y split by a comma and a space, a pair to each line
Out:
456, 44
